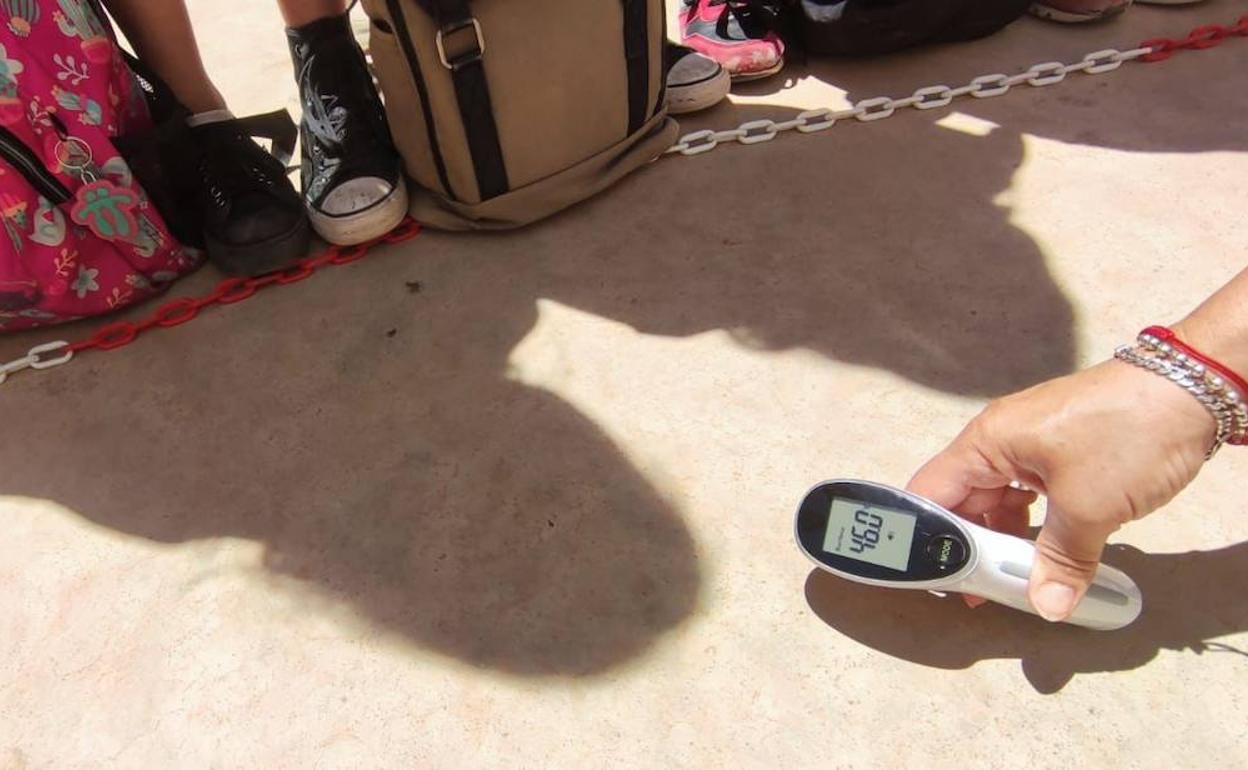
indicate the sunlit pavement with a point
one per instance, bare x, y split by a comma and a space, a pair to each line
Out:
525, 500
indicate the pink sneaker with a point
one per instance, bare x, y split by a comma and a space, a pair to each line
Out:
1078, 11
739, 34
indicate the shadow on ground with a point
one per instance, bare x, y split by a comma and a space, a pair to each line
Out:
1189, 599
362, 425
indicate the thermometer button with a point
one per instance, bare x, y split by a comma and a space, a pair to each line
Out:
947, 552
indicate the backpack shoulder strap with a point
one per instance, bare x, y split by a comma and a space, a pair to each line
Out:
461, 46
637, 55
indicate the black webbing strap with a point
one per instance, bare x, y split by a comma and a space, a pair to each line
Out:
460, 47
637, 55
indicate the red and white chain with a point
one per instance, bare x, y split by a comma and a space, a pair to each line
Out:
932, 97
179, 311
231, 290
39, 357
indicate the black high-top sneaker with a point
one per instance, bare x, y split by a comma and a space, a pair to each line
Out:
352, 176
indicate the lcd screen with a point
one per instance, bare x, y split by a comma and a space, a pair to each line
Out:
870, 533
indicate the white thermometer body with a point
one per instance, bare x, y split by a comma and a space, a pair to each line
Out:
876, 534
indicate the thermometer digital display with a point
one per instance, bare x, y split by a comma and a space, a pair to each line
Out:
870, 533
880, 535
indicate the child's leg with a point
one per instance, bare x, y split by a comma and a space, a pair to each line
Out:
352, 176
300, 12
160, 31
253, 220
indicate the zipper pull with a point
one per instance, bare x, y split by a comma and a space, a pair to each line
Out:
72, 154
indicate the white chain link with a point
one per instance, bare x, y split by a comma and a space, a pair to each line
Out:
881, 107
765, 130
38, 358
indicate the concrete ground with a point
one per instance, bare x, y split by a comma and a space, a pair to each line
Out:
524, 500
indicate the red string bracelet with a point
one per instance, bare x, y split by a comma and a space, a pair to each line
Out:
1227, 373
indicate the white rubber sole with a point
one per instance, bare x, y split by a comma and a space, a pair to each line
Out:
696, 97
363, 226
746, 77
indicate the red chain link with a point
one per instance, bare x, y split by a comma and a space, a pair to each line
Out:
1198, 39
179, 311
231, 290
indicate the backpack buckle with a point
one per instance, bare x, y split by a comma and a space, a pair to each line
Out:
463, 58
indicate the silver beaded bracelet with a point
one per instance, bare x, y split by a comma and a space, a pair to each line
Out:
1223, 401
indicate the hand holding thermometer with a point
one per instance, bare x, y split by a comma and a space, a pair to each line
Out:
879, 535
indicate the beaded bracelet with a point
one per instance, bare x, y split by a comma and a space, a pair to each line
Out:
1217, 387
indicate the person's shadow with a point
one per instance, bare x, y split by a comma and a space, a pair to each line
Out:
369, 435
365, 428
1189, 600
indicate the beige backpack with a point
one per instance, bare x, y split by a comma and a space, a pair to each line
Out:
507, 111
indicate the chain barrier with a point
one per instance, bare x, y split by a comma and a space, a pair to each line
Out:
982, 87
231, 290
184, 309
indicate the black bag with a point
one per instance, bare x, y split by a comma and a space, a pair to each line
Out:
868, 27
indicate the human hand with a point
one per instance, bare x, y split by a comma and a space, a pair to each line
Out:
1107, 445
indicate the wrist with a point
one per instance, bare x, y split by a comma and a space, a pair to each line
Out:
1178, 416
1211, 382
1221, 342
1163, 395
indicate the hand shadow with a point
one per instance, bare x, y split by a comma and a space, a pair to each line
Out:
1190, 599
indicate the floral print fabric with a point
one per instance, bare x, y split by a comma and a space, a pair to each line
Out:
80, 236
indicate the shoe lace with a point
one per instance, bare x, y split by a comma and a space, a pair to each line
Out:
232, 164
338, 103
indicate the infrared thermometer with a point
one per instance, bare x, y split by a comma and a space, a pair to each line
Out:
882, 536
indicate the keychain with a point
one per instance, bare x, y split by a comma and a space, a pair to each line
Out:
101, 206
